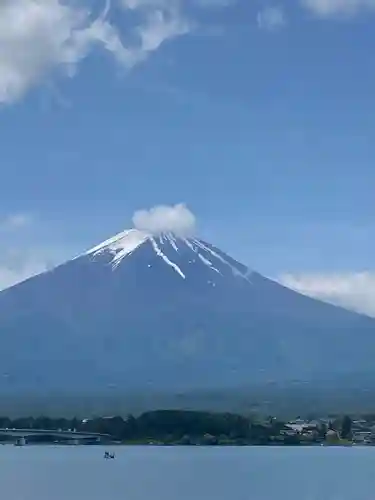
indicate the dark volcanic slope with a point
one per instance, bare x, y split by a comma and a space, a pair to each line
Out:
167, 313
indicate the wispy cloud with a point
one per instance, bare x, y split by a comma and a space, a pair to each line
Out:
24, 251
42, 38
213, 3
15, 221
29, 258
15, 268
161, 20
39, 38
271, 18
355, 291
338, 8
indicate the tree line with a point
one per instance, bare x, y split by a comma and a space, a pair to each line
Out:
173, 426
160, 425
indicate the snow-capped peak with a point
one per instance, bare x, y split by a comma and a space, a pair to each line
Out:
121, 245
166, 246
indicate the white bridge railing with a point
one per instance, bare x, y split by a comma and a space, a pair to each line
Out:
60, 434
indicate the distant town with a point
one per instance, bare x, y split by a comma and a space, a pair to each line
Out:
184, 427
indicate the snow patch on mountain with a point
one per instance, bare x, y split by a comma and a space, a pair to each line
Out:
121, 245
166, 246
221, 259
165, 258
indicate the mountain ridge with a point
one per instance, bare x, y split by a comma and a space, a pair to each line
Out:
168, 312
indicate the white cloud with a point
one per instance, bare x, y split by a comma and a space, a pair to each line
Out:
39, 37
23, 253
214, 3
160, 4
271, 18
24, 256
13, 272
174, 4
162, 20
15, 221
158, 28
177, 219
338, 8
355, 291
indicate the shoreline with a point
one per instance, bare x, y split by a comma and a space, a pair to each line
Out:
179, 445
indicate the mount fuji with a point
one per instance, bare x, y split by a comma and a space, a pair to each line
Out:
141, 311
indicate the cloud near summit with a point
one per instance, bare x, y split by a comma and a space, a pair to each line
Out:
176, 219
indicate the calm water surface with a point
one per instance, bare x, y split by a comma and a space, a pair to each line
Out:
143, 473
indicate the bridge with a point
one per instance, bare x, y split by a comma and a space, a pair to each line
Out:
75, 437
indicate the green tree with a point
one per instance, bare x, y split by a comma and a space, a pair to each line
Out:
322, 432
346, 427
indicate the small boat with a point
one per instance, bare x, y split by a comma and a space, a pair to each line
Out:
108, 455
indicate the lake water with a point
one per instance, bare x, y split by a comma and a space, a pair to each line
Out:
187, 473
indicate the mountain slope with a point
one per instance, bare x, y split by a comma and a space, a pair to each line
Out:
139, 311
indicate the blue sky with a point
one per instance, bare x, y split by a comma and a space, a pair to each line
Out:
257, 115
